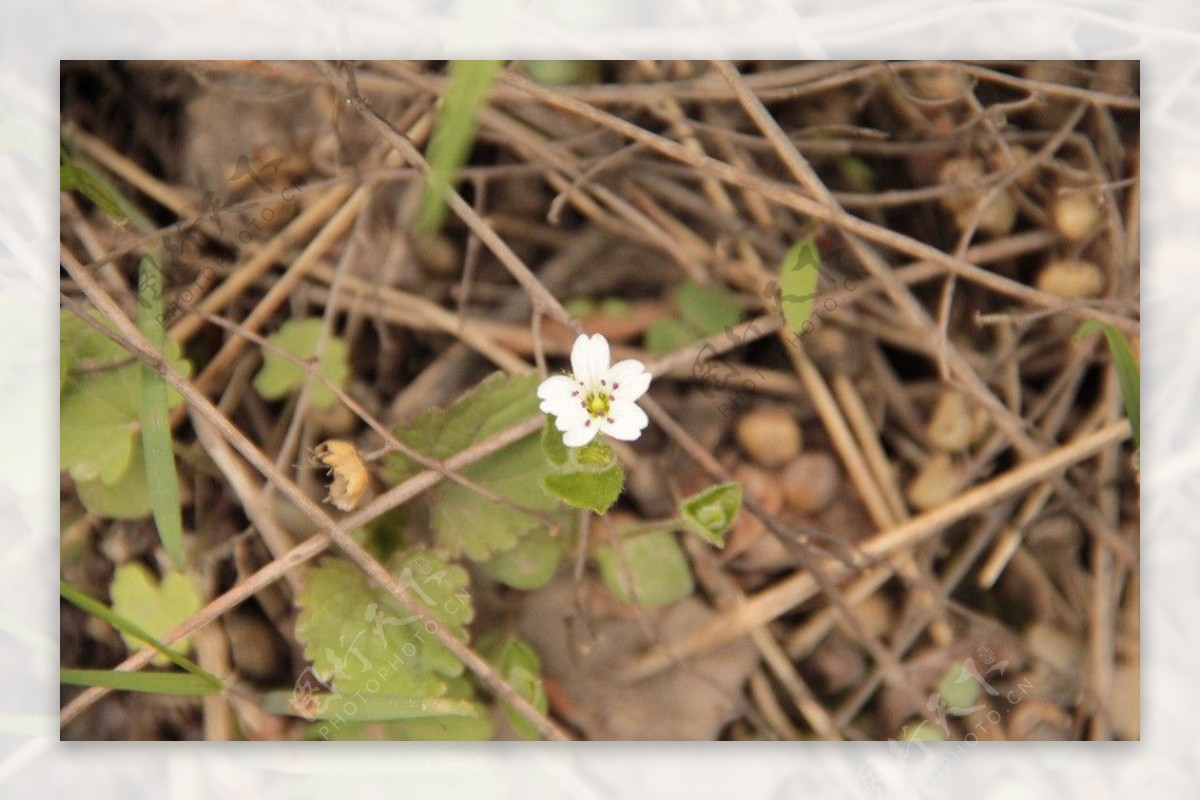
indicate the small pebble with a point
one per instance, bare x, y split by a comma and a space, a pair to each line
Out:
811, 481
769, 436
936, 483
1074, 214
1073, 279
1054, 647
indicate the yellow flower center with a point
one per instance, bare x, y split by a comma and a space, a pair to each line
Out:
597, 404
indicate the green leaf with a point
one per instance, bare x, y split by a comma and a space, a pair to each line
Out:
126, 626
857, 173
127, 498
97, 435
361, 638
167, 683
463, 520
453, 135
616, 308
657, 565
958, 688
445, 728
580, 307
156, 607
710, 513
530, 563
594, 457
922, 731
707, 310
668, 335
586, 489
279, 376
798, 282
1128, 373
703, 312
100, 408
77, 173
162, 480
552, 444
519, 665
563, 73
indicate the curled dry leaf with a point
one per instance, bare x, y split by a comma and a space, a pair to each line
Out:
346, 469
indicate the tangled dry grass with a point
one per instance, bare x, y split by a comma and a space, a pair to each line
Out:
937, 473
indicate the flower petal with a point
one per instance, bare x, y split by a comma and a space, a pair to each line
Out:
628, 420
629, 380
570, 415
555, 392
580, 435
590, 359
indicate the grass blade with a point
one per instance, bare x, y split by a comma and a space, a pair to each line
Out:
1128, 373
167, 683
161, 478
453, 135
127, 626
75, 173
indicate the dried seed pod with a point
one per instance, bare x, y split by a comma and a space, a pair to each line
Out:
769, 436
811, 481
347, 469
1074, 214
936, 483
1073, 279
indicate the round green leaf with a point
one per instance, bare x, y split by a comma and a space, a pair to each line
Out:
656, 564
587, 490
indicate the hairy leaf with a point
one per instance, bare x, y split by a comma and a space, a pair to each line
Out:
463, 520
360, 638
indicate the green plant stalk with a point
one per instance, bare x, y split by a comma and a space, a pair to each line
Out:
161, 477
453, 135
127, 626
1128, 374
366, 707
167, 683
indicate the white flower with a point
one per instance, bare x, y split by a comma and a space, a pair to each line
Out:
597, 397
